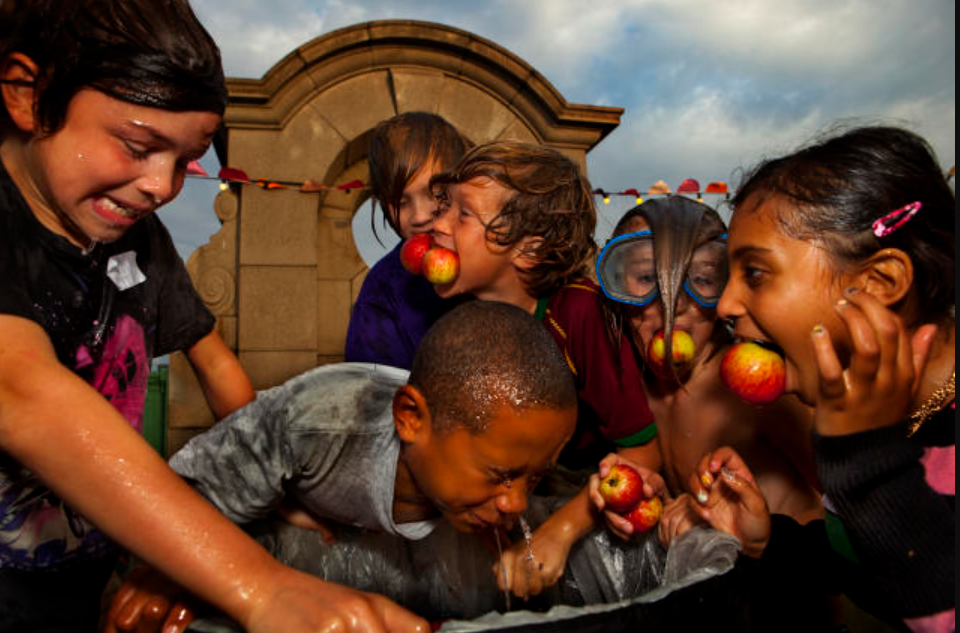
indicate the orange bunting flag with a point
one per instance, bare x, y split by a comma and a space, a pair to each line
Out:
269, 184
312, 186
232, 173
717, 187
690, 185
658, 188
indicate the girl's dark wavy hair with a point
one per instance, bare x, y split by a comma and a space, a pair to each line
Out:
399, 147
550, 200
843, 181
679, 226
147, 52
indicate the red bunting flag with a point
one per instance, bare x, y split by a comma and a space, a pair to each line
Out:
232, 173
690, 185
353, 184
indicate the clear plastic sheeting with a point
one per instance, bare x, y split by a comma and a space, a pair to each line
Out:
448, 575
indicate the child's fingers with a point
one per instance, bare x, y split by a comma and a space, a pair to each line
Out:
750, 496
619, 525
867, 342
829, 369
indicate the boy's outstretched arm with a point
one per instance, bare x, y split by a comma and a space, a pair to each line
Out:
53, 423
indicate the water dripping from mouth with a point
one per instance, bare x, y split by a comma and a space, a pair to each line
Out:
503, 571
528, 541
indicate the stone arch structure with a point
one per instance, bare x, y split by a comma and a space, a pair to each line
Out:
282, 273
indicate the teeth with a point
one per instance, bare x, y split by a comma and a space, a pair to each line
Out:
119, 210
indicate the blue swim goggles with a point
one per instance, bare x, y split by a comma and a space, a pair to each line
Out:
627, 270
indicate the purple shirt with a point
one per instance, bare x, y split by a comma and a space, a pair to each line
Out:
392, 313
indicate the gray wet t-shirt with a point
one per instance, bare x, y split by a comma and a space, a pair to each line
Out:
326, 437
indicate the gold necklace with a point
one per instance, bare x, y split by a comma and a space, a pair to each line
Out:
937, 401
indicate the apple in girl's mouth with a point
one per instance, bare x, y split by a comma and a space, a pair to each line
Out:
683, 351
413, 250
754, 371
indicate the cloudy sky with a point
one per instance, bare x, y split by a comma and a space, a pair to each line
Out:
708, 87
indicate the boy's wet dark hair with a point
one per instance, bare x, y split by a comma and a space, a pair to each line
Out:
400, 147
841, 183
147, 52
483, 355
551, 200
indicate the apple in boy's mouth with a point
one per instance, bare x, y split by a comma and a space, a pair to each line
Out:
413, 250
683, 351
755, 371
441, 265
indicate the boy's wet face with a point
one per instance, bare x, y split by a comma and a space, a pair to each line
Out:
463, 227
482, 480
111, 164
779, 288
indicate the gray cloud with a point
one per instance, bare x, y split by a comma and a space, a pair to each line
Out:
708, 87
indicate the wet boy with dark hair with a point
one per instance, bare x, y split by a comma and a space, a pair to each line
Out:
464, 436
521, 217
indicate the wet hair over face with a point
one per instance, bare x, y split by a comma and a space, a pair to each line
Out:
841, 183
400, 147
679, 226
147, 52
483, 355
550, 200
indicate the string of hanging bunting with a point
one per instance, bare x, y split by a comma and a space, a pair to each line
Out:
232, 175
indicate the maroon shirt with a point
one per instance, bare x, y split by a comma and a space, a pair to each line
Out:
613, 405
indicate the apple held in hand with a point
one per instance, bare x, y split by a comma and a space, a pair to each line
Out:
441, 265
645, 515
413, 250
683, 351
621, 489
755, 373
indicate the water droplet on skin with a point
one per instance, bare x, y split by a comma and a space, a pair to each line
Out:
86, 250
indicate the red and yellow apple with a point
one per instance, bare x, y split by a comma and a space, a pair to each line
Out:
683, 351
413, 250
440, 265
621, 489
754, 372
645, 515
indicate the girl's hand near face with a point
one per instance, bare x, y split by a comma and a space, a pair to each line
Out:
883, 376
729, 499
653, 486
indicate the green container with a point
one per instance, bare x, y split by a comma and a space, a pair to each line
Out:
155, 410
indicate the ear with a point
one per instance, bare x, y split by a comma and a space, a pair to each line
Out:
411, 416
887, 275
524, 257
19, 74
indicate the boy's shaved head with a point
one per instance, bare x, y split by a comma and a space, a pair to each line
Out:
485, 354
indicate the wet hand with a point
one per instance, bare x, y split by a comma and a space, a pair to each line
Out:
884, 371
148, 602
527, 569
729, 499
301, 603
680, 515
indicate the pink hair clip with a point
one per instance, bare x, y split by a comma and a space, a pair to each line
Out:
901, 215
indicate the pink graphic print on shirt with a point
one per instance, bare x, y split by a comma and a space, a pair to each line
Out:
122, 371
